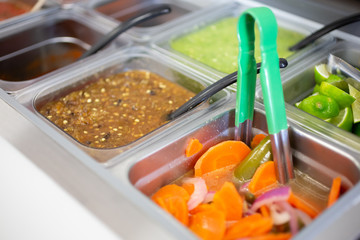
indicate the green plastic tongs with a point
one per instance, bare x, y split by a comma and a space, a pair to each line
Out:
270, 84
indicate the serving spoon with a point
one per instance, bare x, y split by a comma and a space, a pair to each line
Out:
324, 30
149, 14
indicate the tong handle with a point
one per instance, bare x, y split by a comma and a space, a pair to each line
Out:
271, 87
269, 74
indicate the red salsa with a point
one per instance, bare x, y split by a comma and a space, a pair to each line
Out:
12, 9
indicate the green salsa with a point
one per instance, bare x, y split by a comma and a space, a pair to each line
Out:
216, 45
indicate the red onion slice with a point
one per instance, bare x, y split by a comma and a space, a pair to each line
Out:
278, 215
271, 196
209, 197
199, 193
294, 227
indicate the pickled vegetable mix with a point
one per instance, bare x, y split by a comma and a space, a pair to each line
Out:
233, 193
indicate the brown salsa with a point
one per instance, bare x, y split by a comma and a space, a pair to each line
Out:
116, 110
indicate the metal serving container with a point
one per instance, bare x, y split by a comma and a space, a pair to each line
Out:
228, 9
137, 58
298, 83
151, 167
115, 12
46, 43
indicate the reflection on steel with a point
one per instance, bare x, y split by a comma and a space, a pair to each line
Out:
281, 151
336, 64
243, 132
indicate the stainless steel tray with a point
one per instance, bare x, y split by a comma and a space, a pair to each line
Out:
134, 172
150, 167
45, 44
115, 12
137, 58
162, 42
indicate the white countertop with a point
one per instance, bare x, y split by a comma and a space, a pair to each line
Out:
34, 205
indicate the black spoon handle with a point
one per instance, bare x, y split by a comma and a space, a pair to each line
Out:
212, 89
326, 29
152, 13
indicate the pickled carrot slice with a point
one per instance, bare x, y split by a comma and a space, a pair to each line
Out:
221, 155
208, 224
264, 210
189, 187
216, 179
193, 147
302, 205
273, 236
334, 191
263, 177
173, 199
229, 201
256, 140
250, 226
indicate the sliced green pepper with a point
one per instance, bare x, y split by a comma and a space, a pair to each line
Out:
260, 154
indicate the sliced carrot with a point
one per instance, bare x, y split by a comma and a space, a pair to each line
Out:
176, 206
256, 140
263, 177
172, 190
264, 210
189, 187
215, 179
193, 147
334, 191
173, 199
221, 155
208, 224
229, 201
201, 207
250, 226
273, 236
302, 205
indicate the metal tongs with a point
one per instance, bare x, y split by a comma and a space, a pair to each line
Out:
336, 64
270, 84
